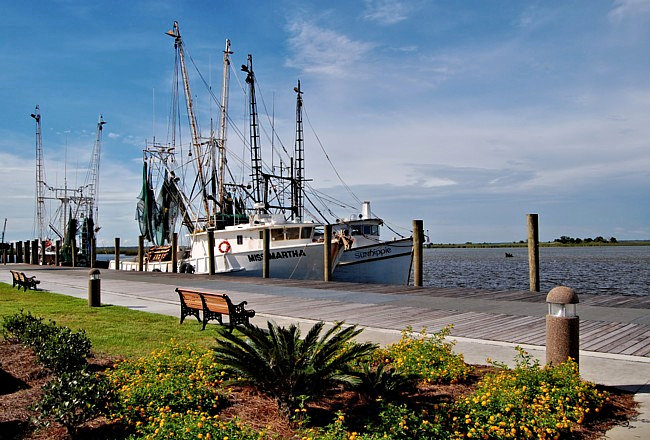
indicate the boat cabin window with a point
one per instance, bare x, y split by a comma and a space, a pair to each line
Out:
277, 234
357, 229
306, 232
240, 239
371, 229
292, 233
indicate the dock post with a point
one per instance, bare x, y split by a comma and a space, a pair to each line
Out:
73, 245
266, 255
533, 252
211, 251
418, 234
93, 252
4, 256
327, 254
175, 252
43, 262
11, 253
19, 252
140, 253
28, 252
35, 251
57, 253
117, 253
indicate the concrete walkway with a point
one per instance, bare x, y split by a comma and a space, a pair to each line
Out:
383, 312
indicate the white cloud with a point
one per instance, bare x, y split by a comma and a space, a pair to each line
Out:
386, 12
628, 8
323, 51
112, 135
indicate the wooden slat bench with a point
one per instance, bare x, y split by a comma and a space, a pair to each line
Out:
213, 306
22, 280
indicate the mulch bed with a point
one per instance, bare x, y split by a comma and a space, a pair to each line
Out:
21, 380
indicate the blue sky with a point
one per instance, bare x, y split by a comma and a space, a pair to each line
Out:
468, 115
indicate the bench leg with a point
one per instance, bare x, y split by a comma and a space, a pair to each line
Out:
208, 316
186, 311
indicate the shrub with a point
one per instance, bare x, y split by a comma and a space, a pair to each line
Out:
57, 348
528, 401
428, 357
283, 366
396, 422
383, 384
174, 379
73, 398
197, 425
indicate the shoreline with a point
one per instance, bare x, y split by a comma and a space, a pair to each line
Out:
470, 245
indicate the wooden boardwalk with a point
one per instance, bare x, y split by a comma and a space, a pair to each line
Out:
614, 324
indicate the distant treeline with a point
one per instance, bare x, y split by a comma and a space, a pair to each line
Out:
558, 242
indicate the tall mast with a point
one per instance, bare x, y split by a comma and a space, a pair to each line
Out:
256, 157
93, 171
300, 156
178, 44
224, 120
40, 179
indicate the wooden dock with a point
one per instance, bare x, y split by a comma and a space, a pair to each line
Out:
612, 324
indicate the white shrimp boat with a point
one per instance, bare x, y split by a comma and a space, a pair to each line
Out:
238, 213
369, 259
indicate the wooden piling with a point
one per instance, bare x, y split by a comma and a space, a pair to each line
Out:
327, 254
93, 253
19, 252
28, 252
57, 253
43, 246
175, 252
418, 241
533, 252
73, 245
12, 253
140, 253
117, 253
211, 251
266, 254
35, 251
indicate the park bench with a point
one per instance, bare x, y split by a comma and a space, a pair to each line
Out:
213, 306
22, 280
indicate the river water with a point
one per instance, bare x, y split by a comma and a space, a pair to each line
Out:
595, 269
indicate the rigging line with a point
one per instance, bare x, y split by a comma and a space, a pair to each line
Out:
267, 115
329, 160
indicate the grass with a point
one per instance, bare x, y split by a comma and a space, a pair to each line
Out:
113, 330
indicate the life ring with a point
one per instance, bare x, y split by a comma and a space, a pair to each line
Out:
224, 247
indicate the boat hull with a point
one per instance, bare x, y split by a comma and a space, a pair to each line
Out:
388, 262
302, 262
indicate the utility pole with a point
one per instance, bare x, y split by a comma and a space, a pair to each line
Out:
40, 178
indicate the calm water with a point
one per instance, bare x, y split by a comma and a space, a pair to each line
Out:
598, 270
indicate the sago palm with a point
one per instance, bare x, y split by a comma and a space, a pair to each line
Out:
284, 366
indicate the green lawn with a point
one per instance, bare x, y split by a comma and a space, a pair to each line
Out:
113, 330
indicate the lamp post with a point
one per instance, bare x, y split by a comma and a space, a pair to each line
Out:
562, 326
94, 288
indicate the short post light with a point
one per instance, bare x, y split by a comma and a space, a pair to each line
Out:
94, 288
562, 326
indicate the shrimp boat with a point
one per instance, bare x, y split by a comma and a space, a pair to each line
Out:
196, 185
191, 185
368, 258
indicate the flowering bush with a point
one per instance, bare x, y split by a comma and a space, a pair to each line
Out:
172, 380
428, 357
197, 425
528, 402
396, 422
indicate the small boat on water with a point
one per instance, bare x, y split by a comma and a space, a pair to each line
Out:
197, 187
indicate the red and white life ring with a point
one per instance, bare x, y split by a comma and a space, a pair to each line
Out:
224, 247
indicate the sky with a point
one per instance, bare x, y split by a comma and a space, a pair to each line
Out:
467, 115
